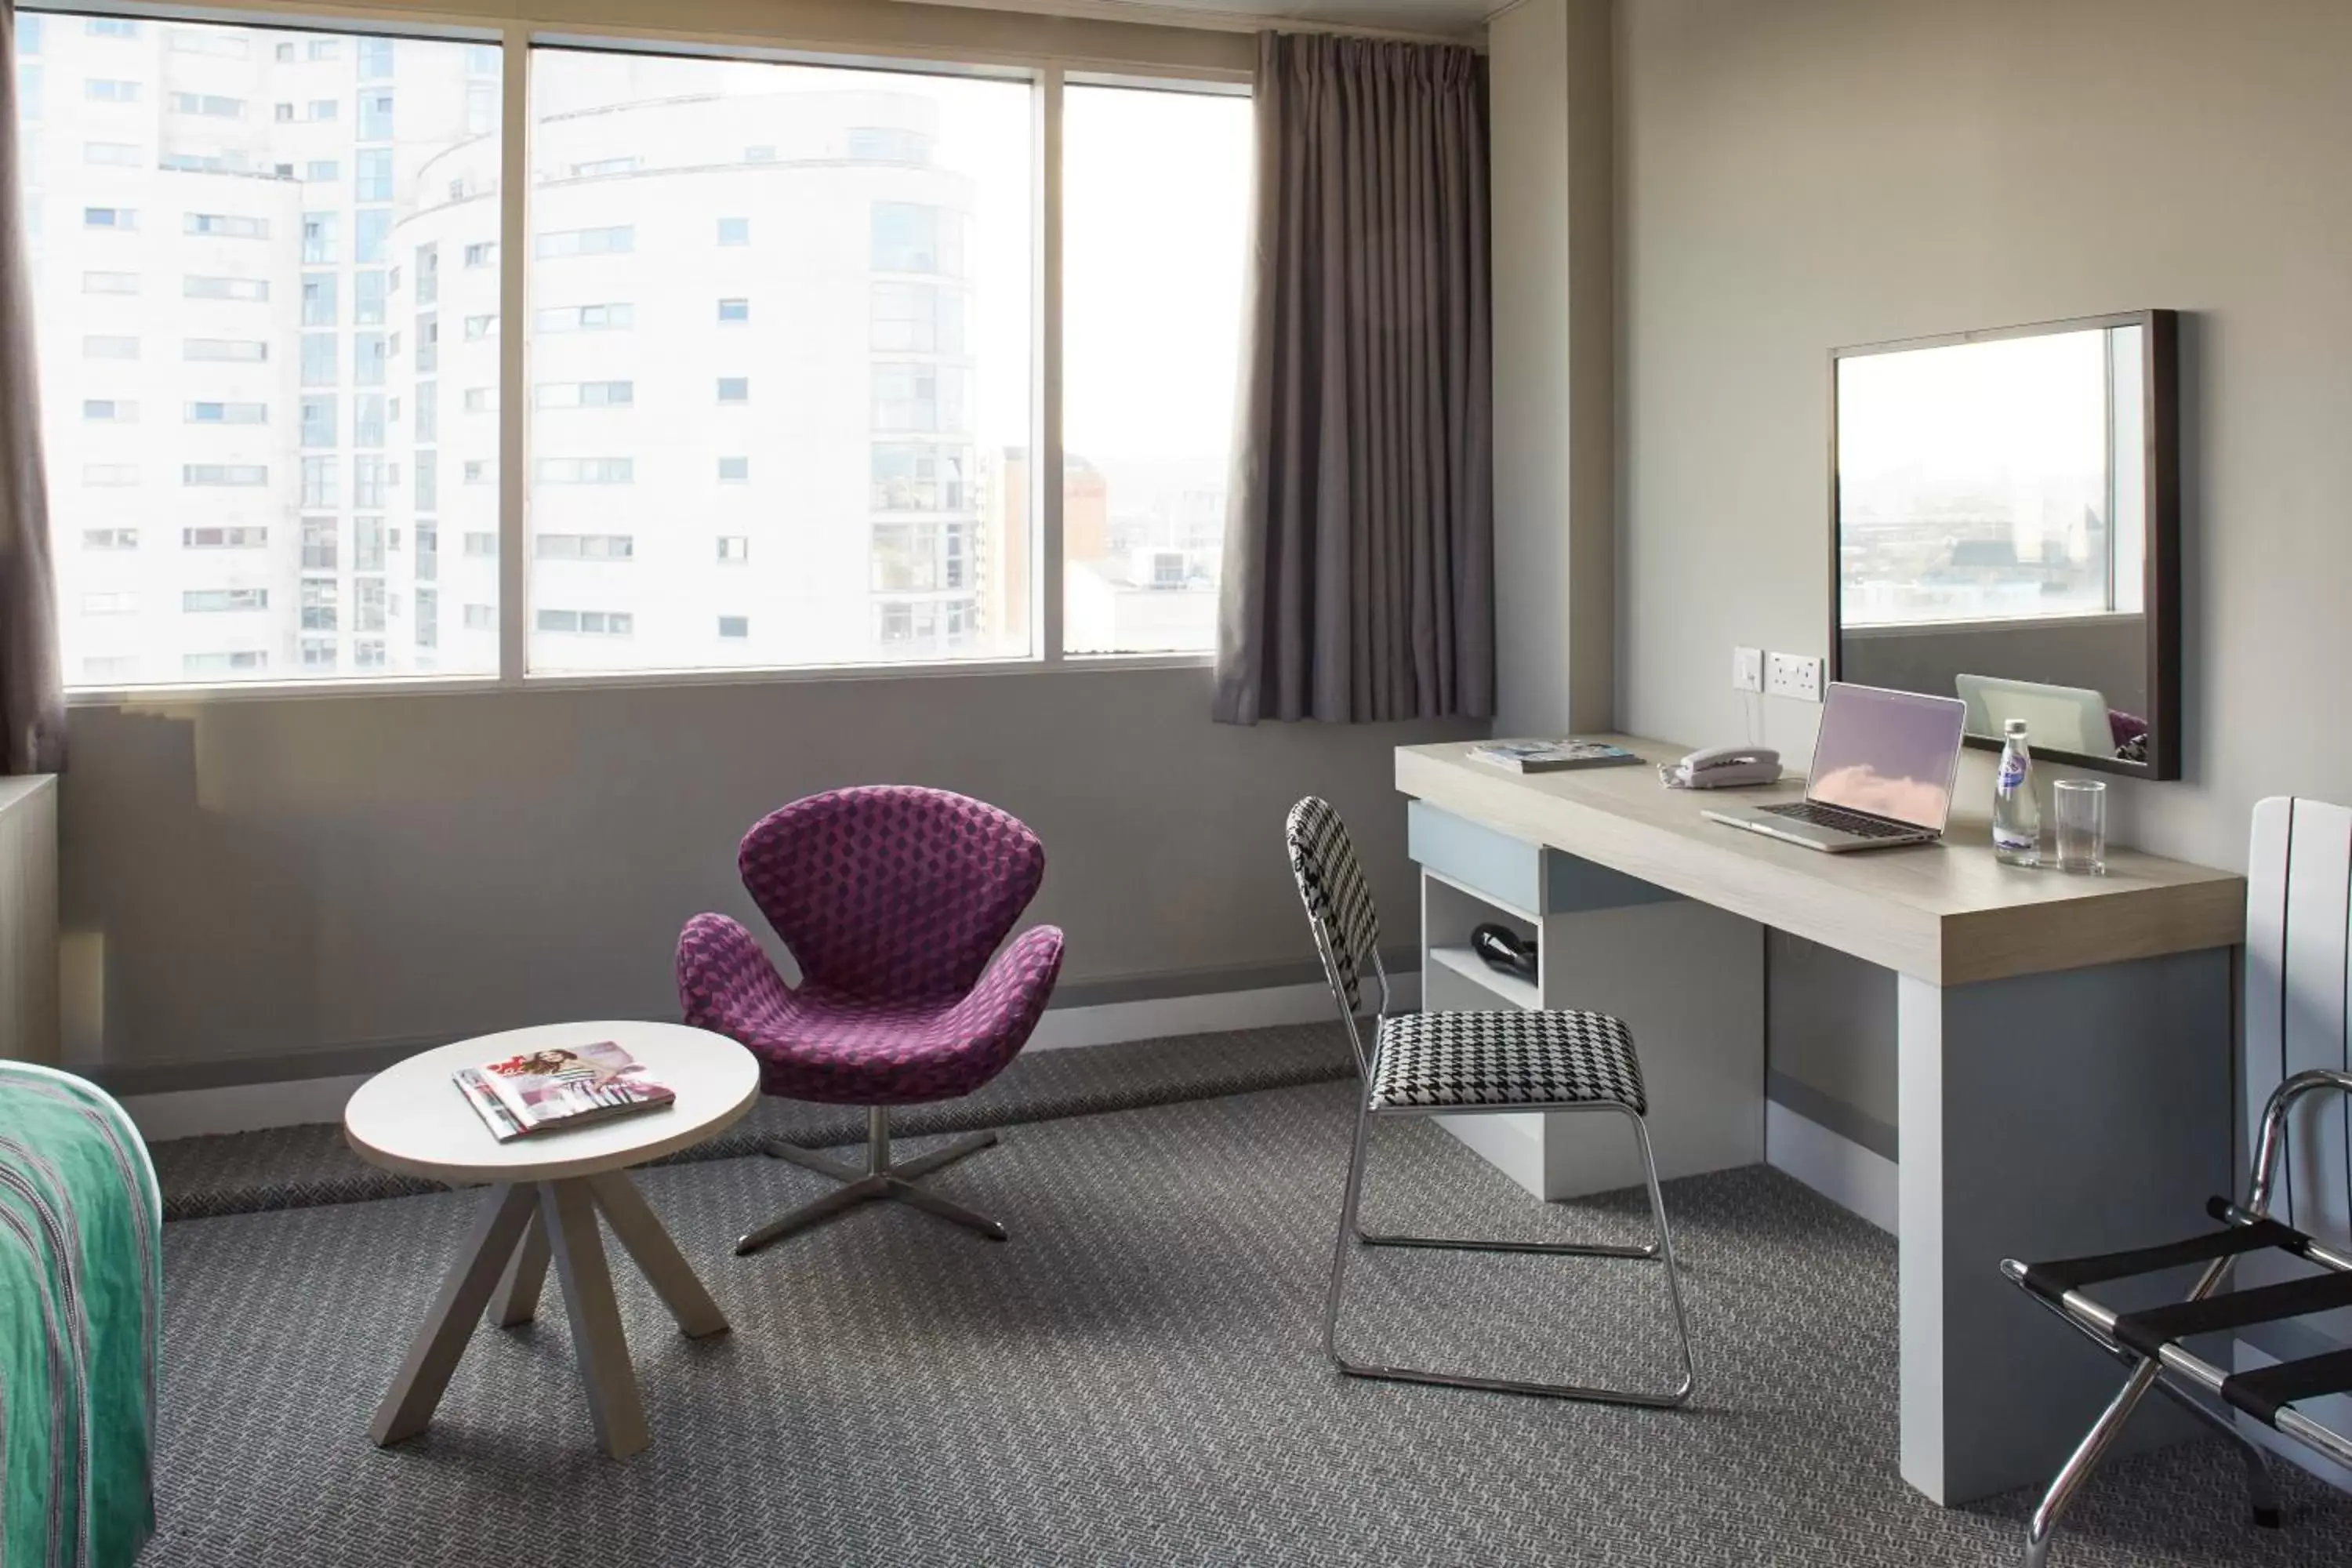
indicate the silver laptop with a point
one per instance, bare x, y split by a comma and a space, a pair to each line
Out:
1882, 774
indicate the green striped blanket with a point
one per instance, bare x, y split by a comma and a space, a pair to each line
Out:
81, 1281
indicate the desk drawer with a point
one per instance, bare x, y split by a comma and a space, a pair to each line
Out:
1516, 874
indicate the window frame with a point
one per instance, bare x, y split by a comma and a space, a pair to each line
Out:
473, 22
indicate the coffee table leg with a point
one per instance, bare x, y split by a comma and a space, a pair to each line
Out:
640, 1230
464, 1292
518, 1295
568, 1212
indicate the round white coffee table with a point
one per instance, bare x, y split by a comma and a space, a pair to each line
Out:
545, 1192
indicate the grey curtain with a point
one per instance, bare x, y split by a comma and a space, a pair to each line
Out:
32, 698
1358, 573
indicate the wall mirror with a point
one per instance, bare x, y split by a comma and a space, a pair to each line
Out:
2005, 528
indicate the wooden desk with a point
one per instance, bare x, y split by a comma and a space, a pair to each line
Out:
2063, 1044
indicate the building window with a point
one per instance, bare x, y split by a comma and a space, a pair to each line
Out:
319, 360
371, 235
231, 538
912, 395
586, 242
109, 539
428, 275
481, 400
320, 605
110, 283
734, 549
369, 353
734, 470
587, 623
226, 414
110, 411
110, 217
428, 481
318, 301
371, 174
583, 394
370, 600
428, 411
734, 626
319, 544
484, 253
318, 238
319, 418
585, 319
318, 655
368, 653
734, 389
376, 59
368, 544
104, 347
1149, 372
584, 471
107, 475
370, 424
252, 291
210, 106
734, 310
429, 618
921, 478
907, 236
226, 226
917, 318
584, 547
376, 115
734, 231
888, 144
482, 544
223, 474
481, 618
223, 601
103, 89
921, 557
110, 27
109, 603
126, 154
243, 661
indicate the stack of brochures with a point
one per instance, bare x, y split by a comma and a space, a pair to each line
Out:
559, 1087
1551, 756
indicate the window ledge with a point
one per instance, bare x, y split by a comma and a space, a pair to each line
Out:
192, 694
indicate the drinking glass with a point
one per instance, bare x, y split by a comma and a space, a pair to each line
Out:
2081, 806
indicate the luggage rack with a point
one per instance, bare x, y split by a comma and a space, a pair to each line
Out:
2148, 1340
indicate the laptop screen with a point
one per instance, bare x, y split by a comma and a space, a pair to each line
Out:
1891, 754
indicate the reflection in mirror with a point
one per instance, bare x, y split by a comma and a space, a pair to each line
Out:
2003, 508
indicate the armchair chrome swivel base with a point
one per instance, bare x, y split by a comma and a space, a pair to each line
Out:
879, 1180
1661, 1250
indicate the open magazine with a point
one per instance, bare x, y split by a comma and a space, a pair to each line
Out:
560, 1087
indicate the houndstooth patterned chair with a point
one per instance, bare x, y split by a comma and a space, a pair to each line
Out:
1463, 1063
891, 899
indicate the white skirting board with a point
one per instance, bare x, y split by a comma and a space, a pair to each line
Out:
1854, 1178
243, 1107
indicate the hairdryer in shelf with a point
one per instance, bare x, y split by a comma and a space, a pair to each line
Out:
1502, 949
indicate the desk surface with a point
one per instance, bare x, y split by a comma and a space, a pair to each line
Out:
1949, 913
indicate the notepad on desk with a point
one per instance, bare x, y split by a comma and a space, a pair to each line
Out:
1551, 756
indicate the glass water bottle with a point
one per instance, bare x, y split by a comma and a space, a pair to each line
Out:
2016, 814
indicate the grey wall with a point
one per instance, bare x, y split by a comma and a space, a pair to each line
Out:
1811, 173
263, 879
1552, 177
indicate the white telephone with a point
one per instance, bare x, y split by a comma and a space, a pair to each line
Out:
1725, 767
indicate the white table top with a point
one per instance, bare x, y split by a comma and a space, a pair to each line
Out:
412, 1118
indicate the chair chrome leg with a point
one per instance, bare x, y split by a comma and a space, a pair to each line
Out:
880, 1179
1661, 1250
1475, 1243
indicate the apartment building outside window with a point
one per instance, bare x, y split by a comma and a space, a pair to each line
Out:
857, 446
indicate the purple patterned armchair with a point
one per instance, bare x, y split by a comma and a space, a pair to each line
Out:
891, 899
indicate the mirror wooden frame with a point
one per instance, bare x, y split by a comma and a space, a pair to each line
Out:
2160, 367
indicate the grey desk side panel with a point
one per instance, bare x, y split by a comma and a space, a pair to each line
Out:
1530, 877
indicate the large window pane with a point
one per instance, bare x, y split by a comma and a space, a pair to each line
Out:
1155, 214
822, 467
233, 339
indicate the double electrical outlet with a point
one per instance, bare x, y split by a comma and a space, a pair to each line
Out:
1793, 675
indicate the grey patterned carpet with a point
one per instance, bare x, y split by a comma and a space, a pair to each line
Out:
303, 1167
1134, 1378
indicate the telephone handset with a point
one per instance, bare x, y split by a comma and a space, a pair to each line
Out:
1725, 767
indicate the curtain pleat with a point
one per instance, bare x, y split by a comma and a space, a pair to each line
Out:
1359, 582
31, 694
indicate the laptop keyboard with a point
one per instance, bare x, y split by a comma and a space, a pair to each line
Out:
1838, 817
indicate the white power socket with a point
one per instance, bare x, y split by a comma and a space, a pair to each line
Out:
1748, 670
1794, 675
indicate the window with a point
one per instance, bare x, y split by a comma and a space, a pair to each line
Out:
318, 236
223, 601
368, 653
110, 27
109, 604
1149, 361
324, 109
481, 108
481, 618
101, 89
223, 474
318, 655
428, 275
110, 283
109, 539
320, 603
583, 394
108, 473
584, 547
226, 226
484, 253
589, 623
478, 327
209, 105
888, 144
370, 478
322, 171
917, 318
247, 351
427, 417
371, 174
369, 352
371, 601
319, 367
480, 471
318, 303
319, 544
922, 479
929, 188
921, 557
106, 347
367, 298
584, 319
586, 242
109, 410
250, 290
481, 400
371, 235
912, 237
376, 58
224, 538
595, 167
320, 487
219, 42
226, 414
429, 551
482, 545
368, 418
243, 661
319, 420
585, 471
369, 544
125, 154
429, 618
428, 481
375, 117
109, 217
